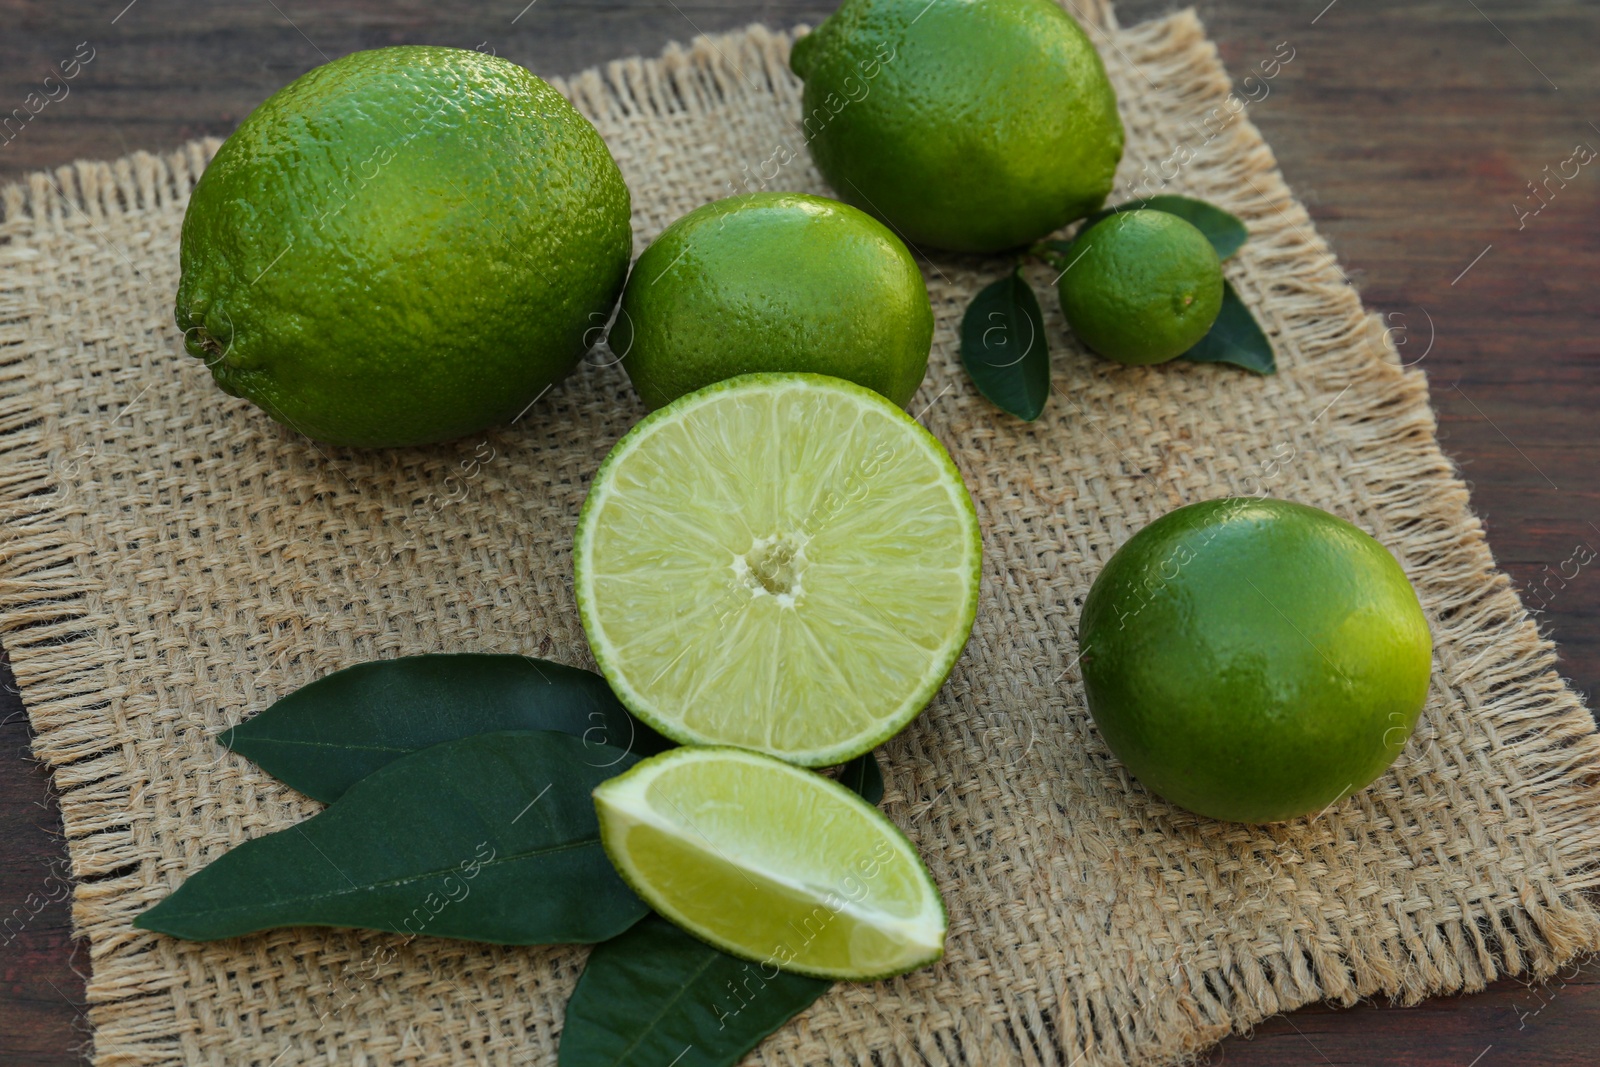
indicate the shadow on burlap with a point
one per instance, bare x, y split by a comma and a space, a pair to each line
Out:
173, 561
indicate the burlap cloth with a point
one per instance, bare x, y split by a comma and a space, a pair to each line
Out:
174, 561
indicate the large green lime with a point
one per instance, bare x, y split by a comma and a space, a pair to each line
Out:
1253, 659
782, 562
402, 246
1141, 286
972, 125
774, 282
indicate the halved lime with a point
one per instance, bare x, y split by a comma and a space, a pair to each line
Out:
782, 562
772, 863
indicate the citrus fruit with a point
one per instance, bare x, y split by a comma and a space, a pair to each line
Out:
772, 863
405, 245
782, 562
972, 125
1141, 286
774, 282
1254, 659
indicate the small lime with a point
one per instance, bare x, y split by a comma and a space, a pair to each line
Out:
1253, 659
774, 282
1141, 286
405, 245
973, 125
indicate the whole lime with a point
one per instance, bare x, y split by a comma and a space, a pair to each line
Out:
1253, 659
405, 245
1141, 286
774, 282
972, 125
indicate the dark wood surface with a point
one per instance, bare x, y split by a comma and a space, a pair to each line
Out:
1410, 131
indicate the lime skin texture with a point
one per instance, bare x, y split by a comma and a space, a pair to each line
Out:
779, 282
1141, 287
403, 246
1254, 660
968, 125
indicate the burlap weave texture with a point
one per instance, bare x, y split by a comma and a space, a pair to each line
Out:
172, 561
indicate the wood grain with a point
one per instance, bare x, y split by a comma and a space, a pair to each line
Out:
1408, 130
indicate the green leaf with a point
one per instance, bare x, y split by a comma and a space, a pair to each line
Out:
1235, 338
654, 992
863, 775
325, 737
651, 994
1227, 233
1004, 349
487, 838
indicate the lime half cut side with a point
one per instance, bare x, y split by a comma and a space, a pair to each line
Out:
781, 562
772, 863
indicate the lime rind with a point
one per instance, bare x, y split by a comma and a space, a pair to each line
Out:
623, 804
671, 721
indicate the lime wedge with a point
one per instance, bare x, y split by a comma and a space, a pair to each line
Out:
772, 863
783, 562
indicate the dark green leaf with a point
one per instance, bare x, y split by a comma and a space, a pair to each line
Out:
327, 736
650, 994
654, 992
863, 775
1235, 338
488, 838
1225, 232
1003, 347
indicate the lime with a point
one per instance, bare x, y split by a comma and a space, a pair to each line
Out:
1253, 659
772, 863
783, 562
1141, 286
775, 282
972, 125
402, 246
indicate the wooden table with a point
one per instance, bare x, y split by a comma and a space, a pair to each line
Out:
1410, 131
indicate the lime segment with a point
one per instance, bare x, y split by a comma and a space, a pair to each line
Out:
772, 863
781, 562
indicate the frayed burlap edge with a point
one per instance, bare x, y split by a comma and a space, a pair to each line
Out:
1508, 682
